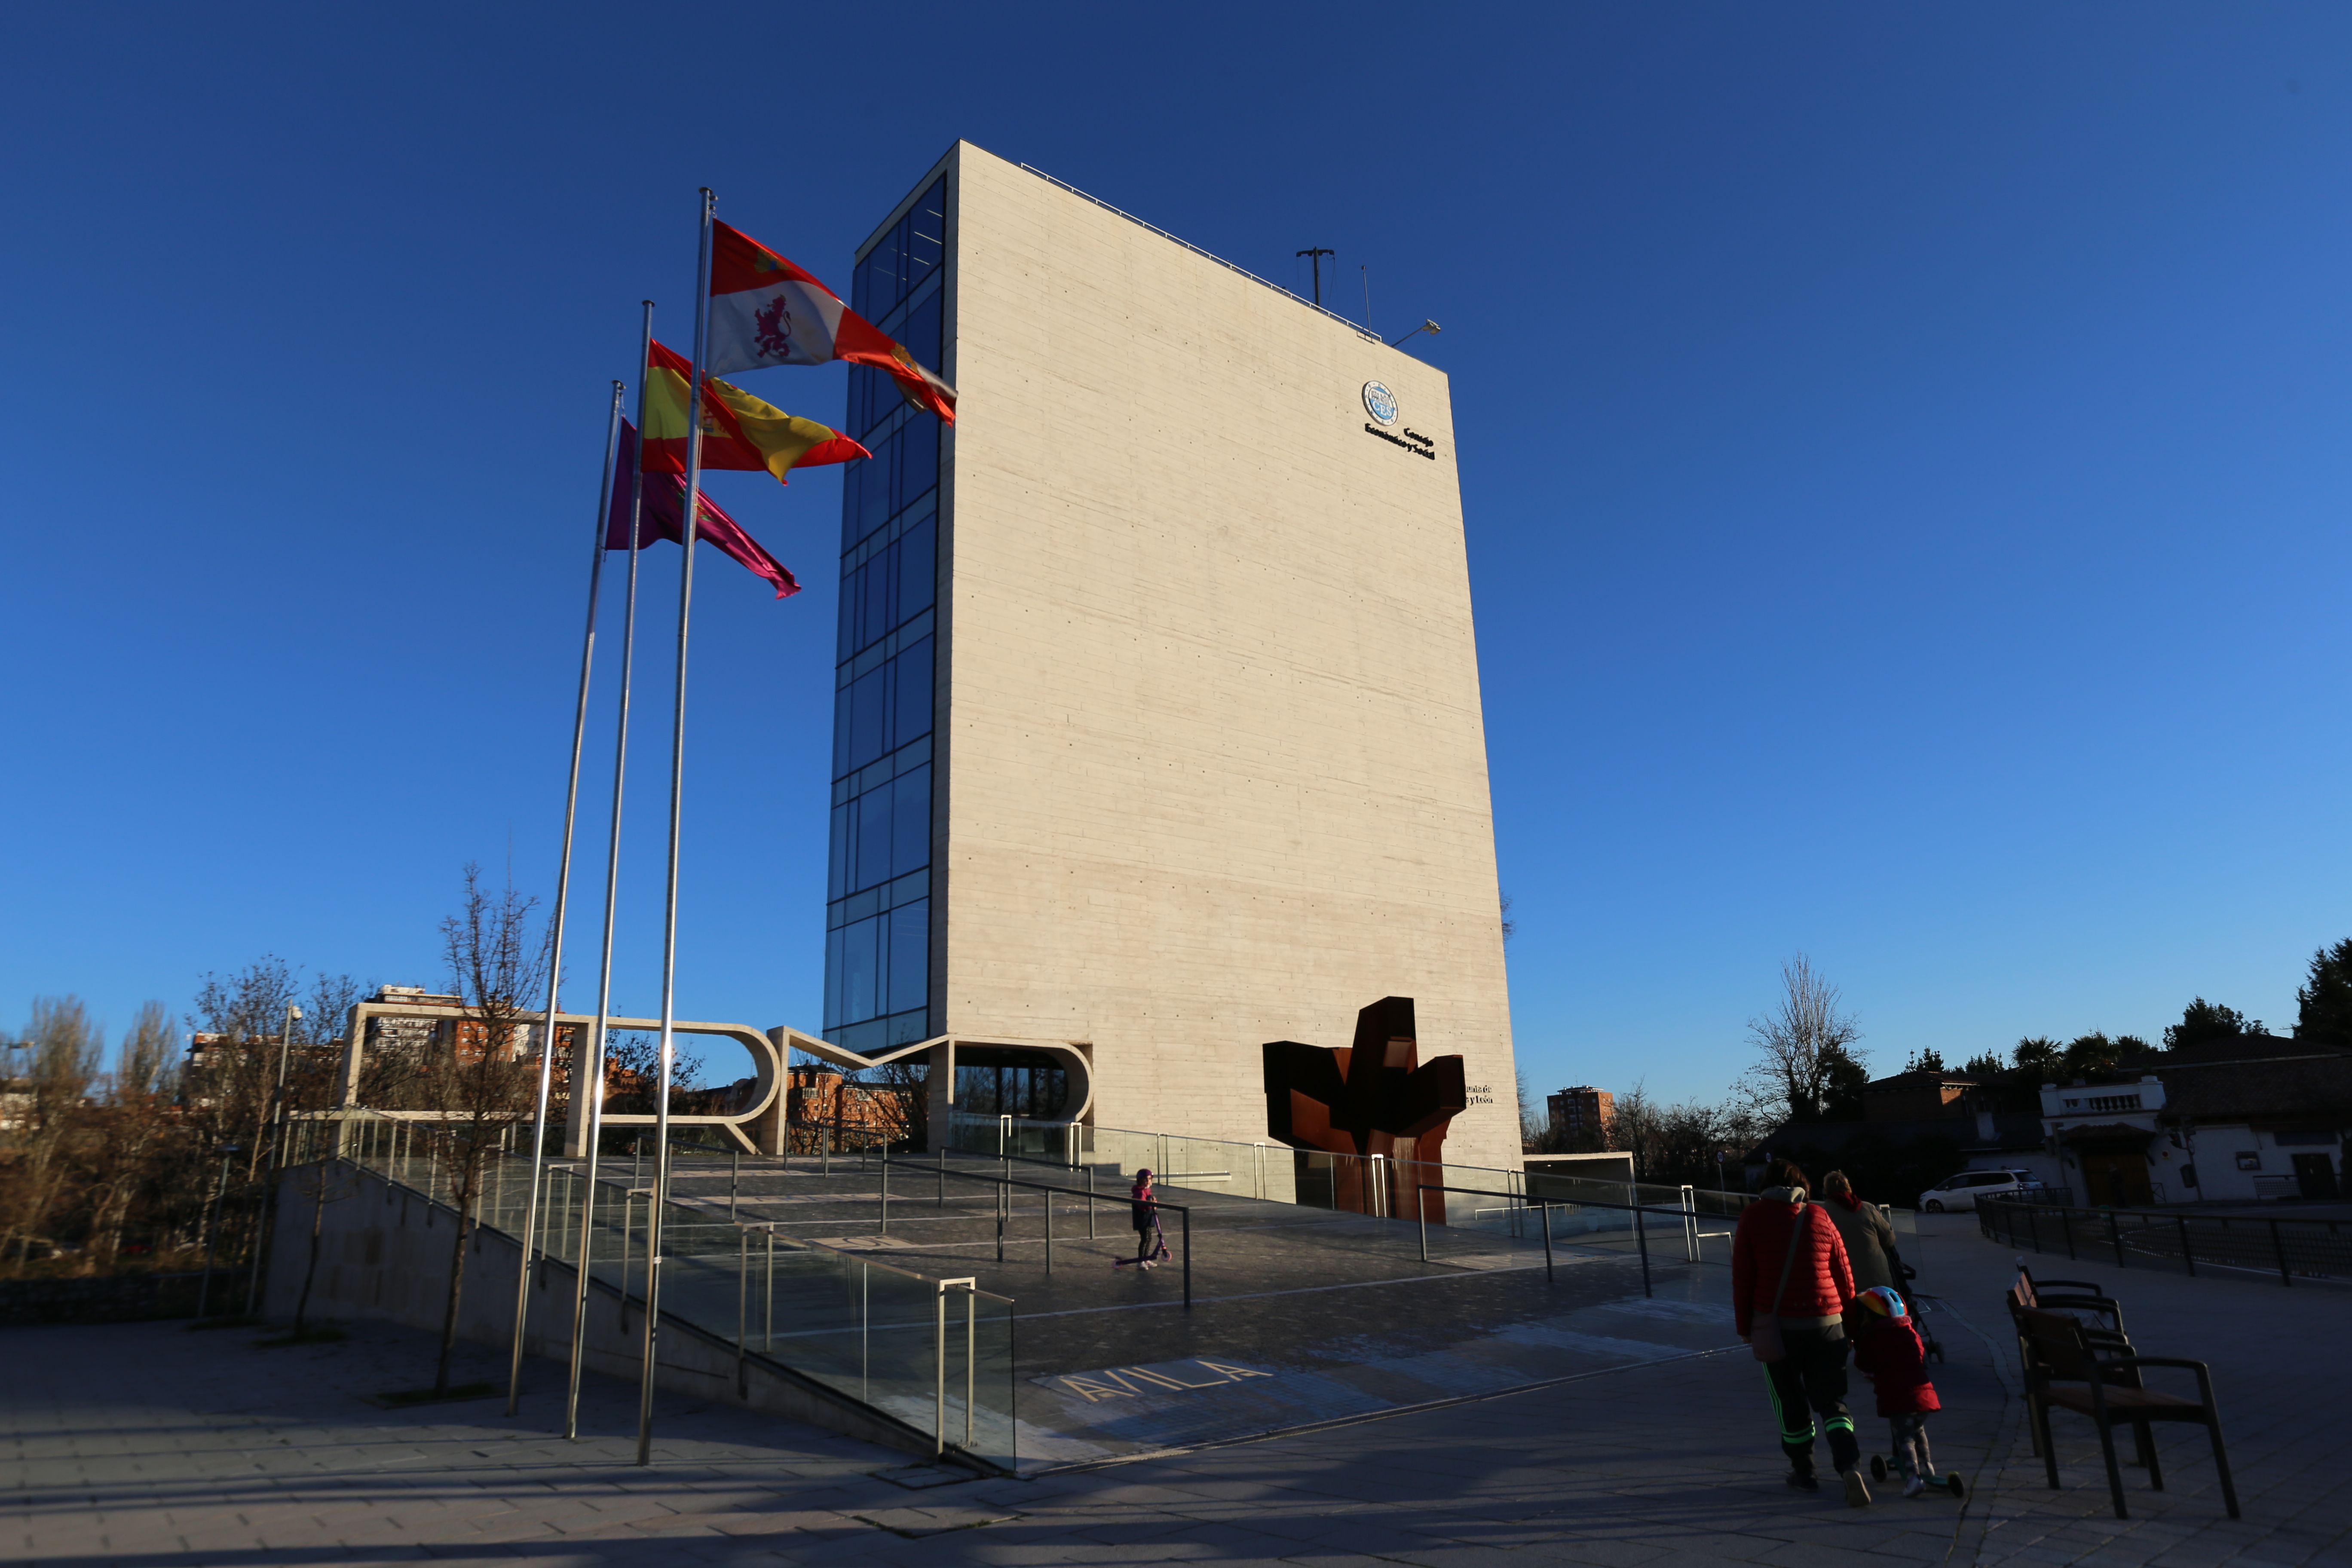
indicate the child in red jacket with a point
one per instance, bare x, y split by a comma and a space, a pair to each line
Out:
1888, 1350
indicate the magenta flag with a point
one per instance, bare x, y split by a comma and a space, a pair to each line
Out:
663, 509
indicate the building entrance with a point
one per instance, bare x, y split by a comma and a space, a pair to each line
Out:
2116, 1180
2315, 1176
1008, 1082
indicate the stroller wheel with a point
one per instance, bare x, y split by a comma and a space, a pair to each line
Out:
1877, 1468
1953, 1484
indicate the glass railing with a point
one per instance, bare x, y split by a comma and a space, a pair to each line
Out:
936, 1354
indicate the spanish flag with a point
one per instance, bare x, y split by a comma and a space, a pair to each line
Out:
738, 431
765, 310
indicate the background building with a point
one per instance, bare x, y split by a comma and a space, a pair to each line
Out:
1581, 1117
1157, 731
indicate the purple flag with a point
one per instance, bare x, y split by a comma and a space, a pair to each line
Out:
664, 506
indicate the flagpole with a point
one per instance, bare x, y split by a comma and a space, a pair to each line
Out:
660, 1194
563, 892
594, 1079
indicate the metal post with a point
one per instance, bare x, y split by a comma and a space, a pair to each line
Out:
2115, 1235
563, 896
1546, 1229
735, 1180
1048, 1195
971, 1358
1090, 1202
1187, 1258
940, 1370
2187, 1255
1002, 1193
2278, 1247
1690, 1224
743, 1303
1422, 1212
886, 1193
1641, 1239
677, 800
628, 1220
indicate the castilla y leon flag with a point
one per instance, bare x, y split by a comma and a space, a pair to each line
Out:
738, 431
660, 518
765, 311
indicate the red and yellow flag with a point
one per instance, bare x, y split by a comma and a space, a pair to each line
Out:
738, 430
765, 310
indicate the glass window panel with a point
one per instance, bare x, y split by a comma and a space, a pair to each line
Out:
873, 858
926, 230
920, 333
836, 882
910, 822
841, 706
850, 641
911, 956
865, 717
874, 597
833, 949
860, 971
918, 570
873, 506
919, 467
913, 704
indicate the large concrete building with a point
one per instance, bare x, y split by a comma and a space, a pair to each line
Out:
1157, 733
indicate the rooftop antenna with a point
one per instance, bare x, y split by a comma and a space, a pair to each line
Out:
1315, 258
1366, 270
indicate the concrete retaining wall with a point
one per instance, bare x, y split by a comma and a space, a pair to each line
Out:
383, 1252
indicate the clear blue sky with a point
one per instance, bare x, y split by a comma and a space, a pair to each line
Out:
1903, 451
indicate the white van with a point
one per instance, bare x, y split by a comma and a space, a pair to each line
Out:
1961, 1192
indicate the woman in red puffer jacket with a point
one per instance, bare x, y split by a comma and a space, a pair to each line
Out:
1781, 1231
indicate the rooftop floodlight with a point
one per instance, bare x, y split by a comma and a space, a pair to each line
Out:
1429, 327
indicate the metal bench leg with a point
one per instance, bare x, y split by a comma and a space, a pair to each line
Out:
2222, 1465
2114, 1471
2144, 1435
2040, 1414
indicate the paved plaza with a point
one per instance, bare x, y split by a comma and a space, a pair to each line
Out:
152, 1445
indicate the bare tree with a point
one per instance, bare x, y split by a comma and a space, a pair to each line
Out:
1534, 1123
58, 1060
900, 1092
131, 1129
1803, 1044
484, 1077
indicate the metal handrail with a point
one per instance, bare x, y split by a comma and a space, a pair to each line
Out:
1092, 1197
1641, 1232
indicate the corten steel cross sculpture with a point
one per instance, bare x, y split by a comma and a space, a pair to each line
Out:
1371, 1099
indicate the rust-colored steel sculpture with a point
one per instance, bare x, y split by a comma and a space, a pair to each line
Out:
1374, 1098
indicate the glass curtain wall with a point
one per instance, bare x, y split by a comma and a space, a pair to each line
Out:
878, 945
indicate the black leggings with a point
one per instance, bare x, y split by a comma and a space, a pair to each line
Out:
1812, 1379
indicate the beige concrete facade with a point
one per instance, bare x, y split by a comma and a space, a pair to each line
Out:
1213, 764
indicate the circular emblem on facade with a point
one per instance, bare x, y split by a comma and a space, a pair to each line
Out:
1380, 402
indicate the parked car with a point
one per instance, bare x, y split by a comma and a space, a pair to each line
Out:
1961, 1192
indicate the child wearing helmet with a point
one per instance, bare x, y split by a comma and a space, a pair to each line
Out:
1888, 1350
